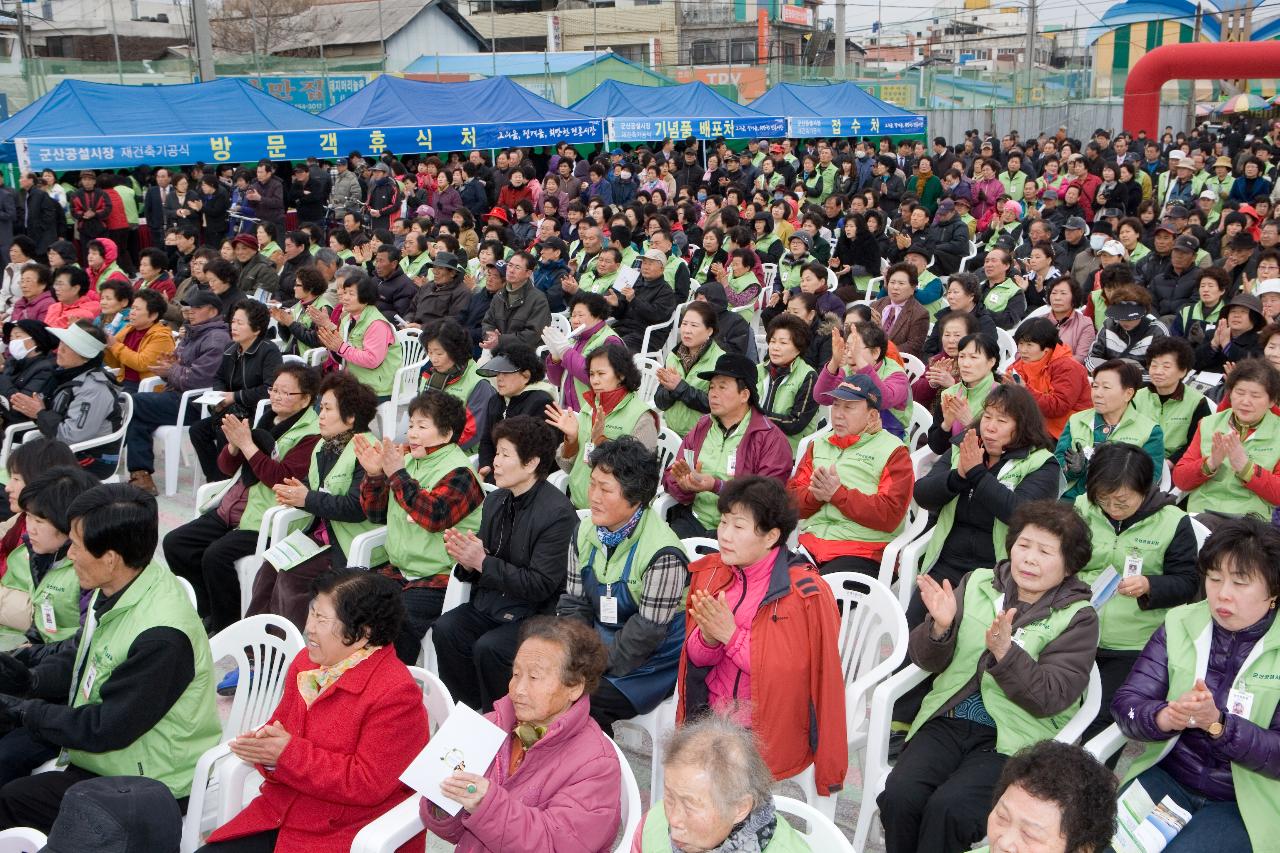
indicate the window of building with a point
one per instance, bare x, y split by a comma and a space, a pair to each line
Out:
742, 50
707, 52
632, 52
58, 46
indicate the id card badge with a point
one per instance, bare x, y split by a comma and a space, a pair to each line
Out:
1019, 637
1240, 703
586, 451
48, 619
1133, 566
608, 608
86, 683
731, 467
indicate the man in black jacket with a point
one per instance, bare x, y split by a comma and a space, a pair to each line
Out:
690, 172
395, 290
383, 198
267, 195
40, 213
153, 206
733, 333
1175, 288
307, 194
949, 236
646, 303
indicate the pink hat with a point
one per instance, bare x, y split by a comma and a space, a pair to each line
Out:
1013, 206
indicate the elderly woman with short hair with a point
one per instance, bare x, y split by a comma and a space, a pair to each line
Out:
350, 722
627, 577
717, 795
555, 785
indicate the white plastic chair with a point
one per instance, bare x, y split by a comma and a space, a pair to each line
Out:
803, 445
363, 546
916, 521
435, 696
403, 822
668, 447
187, 588
645, 347
697, 547
821, 833
172, 436
656, 724
456, 593
315, 356
114, 437
22, 839
1106, 743
914, 366
648, 367
405, 385
1008, 348
770, 275
877, 764
1202, 532
918, 426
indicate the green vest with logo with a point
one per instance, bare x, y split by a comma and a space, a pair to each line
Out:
926, 278
261, 497
784, 394
336, 482
656, 837
975, 395
681, 419
302, 318
884, 370
790, 268
860, 466
415, 551
59, 587
997, 298
602, 336
1195, 313
1000, 232
651, 535
412, 267
1223, 492
621, 421
1134, 428
1173, 416
1186, 633
381, 378
1010, 476
1123, 625
741, 284
461, 388
168, 751
718, 456
592, 282
670, 268
1015, 727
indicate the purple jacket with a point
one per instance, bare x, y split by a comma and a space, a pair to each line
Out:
1197, 761
764, 451
573, 364
893, 392
566, 795
199, 356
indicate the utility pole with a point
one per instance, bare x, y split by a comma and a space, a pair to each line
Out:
115, 39
204, 40
839, 66
493, 35
1191, 103
22, 51
595, 44
382, 37
1031, 48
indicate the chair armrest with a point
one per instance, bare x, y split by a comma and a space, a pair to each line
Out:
185, 400
209, 494
149, 384
362, 547
199, 789
391, 830
1106, 743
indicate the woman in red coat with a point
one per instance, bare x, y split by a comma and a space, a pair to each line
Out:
350, 721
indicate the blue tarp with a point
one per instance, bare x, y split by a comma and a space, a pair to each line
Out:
96, 125
837, 109
645, 113
415, 116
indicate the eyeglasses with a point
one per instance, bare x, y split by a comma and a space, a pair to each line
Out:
278, 392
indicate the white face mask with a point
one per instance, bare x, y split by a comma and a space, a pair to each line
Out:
626, 176
18, 349
1096, 241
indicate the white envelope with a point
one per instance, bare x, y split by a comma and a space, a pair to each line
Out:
466, 742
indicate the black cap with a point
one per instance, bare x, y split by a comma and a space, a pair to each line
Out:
116, 814
202, 299
1125, 311
1186, 243
736, 366
553, 243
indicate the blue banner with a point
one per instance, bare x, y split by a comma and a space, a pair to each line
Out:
799, 128
642, 129
154, 149
311, 93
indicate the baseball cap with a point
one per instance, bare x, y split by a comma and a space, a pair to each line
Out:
553, 243
1266, 286
1049, 195
1113, 247
1121, 311
84, 344
1166, 225
202, 299
1186, 243
497, 364
1174, 156
946, 206
1075, 223
1176, 211
858, 387
654, 255
380, 167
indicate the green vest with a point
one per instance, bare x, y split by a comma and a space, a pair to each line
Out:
412, 267
681, 419
1014, 184
650, 536
336, 482
1223, 492
740, 285
169, 750
1187, 636
1099, 308
592, 282
789, 269
975, 396
1173, 416
1139, 252
859, 466
621, 421
383, 377
719, 458
261, 497
1195, 312
1015, 728
669, 270
302, 318
765, 243
411, 548
887, 368
1000, 232
603, 335
926, 278
1134, 428
656, 837
1010, 476
784, 395
997, 298
1123, 625
59, 587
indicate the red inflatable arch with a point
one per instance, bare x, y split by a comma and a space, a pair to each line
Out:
1228, 61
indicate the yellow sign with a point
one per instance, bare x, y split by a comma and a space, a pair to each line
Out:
900, 95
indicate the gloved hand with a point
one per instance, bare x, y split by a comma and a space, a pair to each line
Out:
1077, 463
15, 678
557, 342
13, 709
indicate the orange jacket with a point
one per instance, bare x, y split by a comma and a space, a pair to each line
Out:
796, 679
1060, 385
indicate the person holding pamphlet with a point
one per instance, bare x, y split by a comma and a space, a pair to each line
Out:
1204, 696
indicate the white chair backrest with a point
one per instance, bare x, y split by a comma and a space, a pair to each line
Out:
1202, 532
315, 356
821, 833
1088, 712
435, 696
872, 641
631, 807
411, 351
803, 445
648, 367
1008, 347
268, 654
667, 448
1038, 312
22, 839
918, 427
922, 460
698, 547
261, 410
188, 588
771, 275
914, 366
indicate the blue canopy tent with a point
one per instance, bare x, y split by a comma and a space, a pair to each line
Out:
837, 109
411, 115
82, 125
647, 113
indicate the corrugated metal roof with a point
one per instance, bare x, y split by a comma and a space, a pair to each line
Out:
513, 64
362, 22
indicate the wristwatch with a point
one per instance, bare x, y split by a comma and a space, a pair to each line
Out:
1216, 727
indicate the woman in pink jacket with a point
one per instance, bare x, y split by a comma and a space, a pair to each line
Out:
987, 190
75, 299
555, 784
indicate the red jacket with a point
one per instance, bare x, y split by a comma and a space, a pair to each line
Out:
1060, 385
764, 451
341, 769
796, 680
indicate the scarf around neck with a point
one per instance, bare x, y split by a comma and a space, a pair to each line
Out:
753, 835
613, 538
438, 380
313, 682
